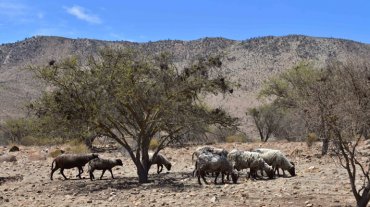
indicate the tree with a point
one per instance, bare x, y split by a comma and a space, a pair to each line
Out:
335, 103
303, 88
132, 98
267, 119
347, 119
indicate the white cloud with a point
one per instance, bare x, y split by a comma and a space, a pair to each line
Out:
82, 14
11, 10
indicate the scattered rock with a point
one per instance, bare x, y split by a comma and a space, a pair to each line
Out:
7, 158
214, 199
14, 149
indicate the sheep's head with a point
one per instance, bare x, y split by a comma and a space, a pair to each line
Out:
270, 173
119, 162
168, 166
292, 171
234, 176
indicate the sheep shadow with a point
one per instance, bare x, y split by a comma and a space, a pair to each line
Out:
174, 181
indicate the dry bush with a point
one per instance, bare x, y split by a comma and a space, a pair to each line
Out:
77, 147
153, 144
236, 138
311, 138
39, 141
55, 153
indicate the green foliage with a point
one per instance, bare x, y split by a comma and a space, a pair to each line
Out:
291, 87
31, 131
16, 129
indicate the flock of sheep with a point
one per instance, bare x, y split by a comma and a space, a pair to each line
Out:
215, 160
208, 160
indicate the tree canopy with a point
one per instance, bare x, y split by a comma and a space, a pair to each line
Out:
131, 98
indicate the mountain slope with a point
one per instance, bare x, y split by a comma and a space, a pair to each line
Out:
249, 62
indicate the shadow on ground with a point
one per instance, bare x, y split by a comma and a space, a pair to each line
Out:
173, 181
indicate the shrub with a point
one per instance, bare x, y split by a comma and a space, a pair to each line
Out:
153, 144
311, 138
236, 138
39, 141
56, 152
77, 147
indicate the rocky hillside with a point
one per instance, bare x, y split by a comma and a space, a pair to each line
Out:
248, 62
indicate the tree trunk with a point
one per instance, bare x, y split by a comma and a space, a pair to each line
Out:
143, 173
363, 202
325, 146
364, 198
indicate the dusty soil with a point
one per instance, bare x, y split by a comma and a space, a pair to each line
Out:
320, 181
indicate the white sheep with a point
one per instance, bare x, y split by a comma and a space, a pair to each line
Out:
277, 160
160, 160
213, 150
103, 164
208, 162
252, 160
68, 161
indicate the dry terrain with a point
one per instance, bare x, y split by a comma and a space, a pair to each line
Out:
320, 182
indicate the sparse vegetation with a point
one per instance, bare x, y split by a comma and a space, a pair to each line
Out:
335, 103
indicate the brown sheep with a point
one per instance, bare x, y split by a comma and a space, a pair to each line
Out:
103, 164
68, 161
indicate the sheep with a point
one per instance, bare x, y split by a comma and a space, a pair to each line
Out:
103, 164
209, 149
277, 160
213, 150
160, 160
252, 160
68, 161
208, 162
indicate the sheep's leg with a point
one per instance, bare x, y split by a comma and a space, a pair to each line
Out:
222, 177
198, 174
80, 171
91, 174
228, 176
204, 179
161, 168
61, 172
110, 170
101, 177
52, 172
216, 176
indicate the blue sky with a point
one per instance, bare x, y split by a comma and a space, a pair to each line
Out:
143, 21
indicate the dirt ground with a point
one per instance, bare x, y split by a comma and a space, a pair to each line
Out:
320, 181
